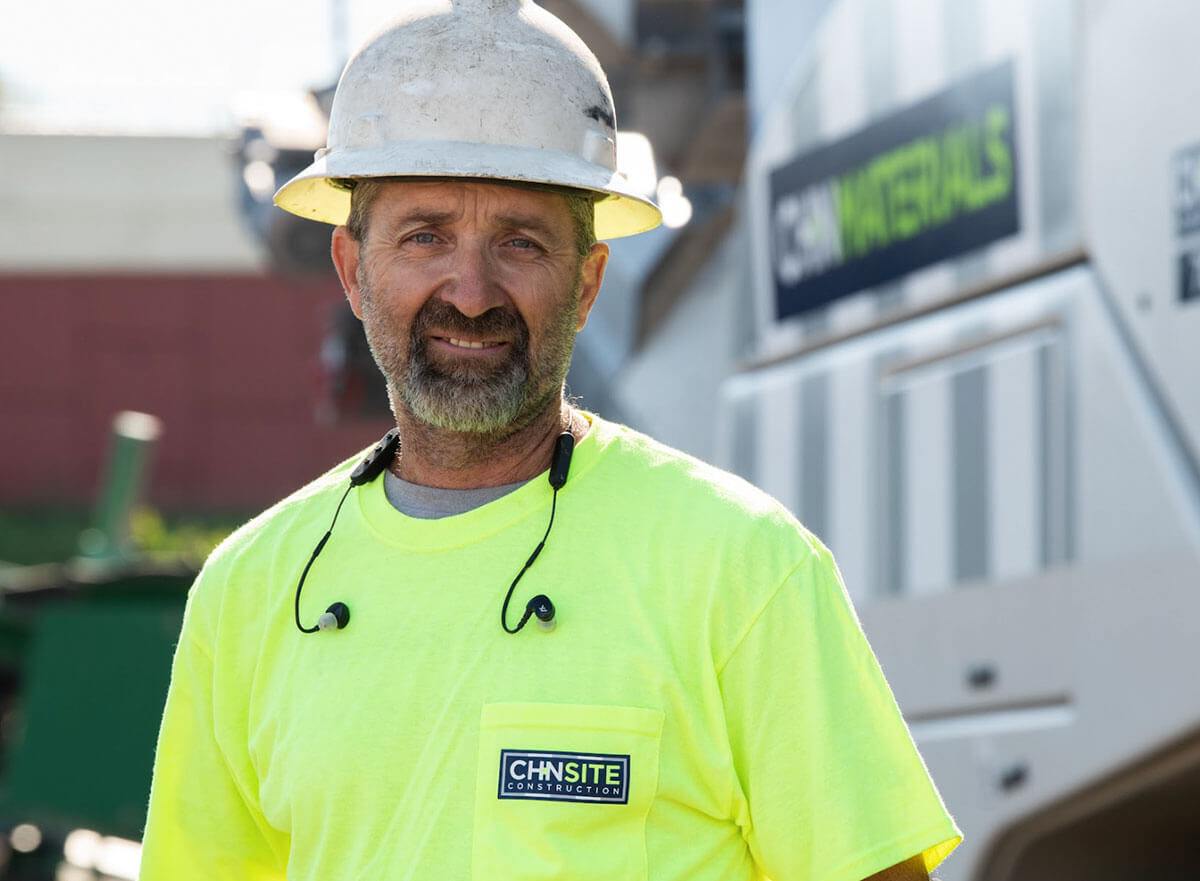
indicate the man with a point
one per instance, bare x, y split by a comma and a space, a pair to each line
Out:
697, 701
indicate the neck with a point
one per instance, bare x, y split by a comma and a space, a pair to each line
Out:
466, 460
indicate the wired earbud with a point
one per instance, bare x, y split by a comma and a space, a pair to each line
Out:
337, 616
540, 605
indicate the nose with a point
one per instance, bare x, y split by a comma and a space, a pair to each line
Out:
472, 286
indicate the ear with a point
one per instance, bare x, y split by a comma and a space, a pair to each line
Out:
591, 277
345, 251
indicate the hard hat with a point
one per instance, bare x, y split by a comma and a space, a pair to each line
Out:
495, 89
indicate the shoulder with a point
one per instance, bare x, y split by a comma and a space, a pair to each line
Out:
715, 548
249, 558
651, 472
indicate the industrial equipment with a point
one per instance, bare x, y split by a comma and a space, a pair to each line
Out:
975, 239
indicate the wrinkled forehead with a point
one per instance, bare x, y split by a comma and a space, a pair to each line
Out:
450, 199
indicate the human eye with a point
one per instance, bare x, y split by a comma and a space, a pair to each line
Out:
423, 237
524, 243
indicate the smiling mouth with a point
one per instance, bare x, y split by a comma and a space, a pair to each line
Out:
471, 344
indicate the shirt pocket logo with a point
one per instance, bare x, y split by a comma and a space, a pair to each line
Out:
564, 776
594, 828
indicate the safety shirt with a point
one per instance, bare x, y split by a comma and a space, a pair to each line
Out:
707, 707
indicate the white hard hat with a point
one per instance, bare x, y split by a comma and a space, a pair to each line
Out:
496, 89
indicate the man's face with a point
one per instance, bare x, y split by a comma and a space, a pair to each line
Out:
470, 295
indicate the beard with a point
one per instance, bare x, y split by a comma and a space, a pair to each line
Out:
486, 399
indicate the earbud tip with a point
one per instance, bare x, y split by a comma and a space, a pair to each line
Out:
335, 617
543, 608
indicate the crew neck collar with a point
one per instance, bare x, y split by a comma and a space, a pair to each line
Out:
392, 527
434, 503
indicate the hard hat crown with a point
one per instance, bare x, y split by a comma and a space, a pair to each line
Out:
494, 89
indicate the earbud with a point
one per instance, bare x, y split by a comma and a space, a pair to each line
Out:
540, 605
335, 617
542, 609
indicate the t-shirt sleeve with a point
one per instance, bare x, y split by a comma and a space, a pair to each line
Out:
835, 788
203, 821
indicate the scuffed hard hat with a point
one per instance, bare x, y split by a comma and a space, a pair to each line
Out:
496, 89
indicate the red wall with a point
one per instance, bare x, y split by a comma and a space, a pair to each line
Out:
228, 362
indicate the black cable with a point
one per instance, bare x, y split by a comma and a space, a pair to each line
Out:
338, 614
308, 565
524, 569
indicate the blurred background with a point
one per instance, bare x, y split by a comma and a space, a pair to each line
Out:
931, 276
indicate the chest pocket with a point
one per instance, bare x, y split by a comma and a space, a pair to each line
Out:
563, 790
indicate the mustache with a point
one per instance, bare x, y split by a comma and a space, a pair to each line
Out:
499, 321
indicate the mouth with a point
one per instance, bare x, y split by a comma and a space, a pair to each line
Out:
470, 344
454, 342
461, 349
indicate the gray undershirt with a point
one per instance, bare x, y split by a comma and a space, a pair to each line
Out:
431, 503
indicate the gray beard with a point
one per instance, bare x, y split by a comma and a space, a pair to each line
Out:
490, 400
465, 400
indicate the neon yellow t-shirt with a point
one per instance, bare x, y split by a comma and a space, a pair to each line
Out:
707, 707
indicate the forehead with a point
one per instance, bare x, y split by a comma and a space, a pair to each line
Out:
470, 198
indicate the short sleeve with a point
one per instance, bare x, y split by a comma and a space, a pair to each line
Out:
835, 786
203, 822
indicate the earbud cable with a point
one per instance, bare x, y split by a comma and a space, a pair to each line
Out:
524, 569
312, 559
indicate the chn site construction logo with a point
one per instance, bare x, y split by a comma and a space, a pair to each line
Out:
563, 776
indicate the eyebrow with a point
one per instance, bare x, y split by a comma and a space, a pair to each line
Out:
511, 221
528, 221
422, 215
